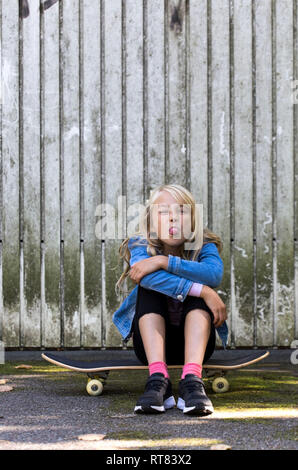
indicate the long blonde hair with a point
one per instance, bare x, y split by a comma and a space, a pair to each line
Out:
154, 245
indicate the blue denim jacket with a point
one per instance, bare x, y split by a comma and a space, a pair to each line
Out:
175, 282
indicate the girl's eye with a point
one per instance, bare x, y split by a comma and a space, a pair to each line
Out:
166, 211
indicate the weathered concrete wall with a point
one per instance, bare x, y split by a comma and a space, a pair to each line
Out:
109, 98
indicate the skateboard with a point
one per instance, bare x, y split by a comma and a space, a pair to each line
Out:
214, 369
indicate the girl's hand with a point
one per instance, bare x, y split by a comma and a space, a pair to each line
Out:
145, 266
215, 304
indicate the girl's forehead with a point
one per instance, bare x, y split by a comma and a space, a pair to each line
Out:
167, 200
169, 204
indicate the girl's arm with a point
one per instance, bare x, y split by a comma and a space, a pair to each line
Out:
177, 287
160, 280
207, 270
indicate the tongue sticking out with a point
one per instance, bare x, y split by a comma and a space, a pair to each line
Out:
173, 230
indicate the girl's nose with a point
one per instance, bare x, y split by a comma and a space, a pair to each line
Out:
173, 217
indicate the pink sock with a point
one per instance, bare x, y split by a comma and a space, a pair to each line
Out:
192, 368
158, 367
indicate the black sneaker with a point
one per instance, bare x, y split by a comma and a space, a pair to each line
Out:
158, 395
192, 396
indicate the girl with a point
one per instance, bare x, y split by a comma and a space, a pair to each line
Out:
175, 316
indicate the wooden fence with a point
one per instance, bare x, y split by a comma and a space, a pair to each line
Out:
110, 98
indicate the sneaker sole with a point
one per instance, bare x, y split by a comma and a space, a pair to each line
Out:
194, 410
153, 409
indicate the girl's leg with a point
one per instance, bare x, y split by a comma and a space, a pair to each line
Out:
149, 338
197, 330
149, 342
193, 341
199, 335
149, 326
153, 332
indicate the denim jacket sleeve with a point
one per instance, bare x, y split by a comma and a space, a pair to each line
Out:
208, 269
176, 286
162, 281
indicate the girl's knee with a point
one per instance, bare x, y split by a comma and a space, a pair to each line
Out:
197, 312
150, 315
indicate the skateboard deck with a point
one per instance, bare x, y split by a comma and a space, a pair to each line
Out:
98, 371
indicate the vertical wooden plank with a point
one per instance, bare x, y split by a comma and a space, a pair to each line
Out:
71, 172
219, 166
198, 71
284, 189
51, 190
136, 113
155, 95
295, 130
112, 162
10, 167
243, 171
135, 159
263, 173
30, 175
91, 138
176, 93
1, 191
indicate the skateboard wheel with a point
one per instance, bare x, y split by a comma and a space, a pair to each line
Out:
94, 387
220, 385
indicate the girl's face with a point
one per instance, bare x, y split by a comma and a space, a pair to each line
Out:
171, 220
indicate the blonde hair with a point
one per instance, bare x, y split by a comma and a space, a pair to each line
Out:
154, 245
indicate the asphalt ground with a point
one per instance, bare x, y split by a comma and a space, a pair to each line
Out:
47, 407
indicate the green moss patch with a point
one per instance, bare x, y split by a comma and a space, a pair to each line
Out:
291, 434
161, 441
264, 390
143, 434
38, 367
